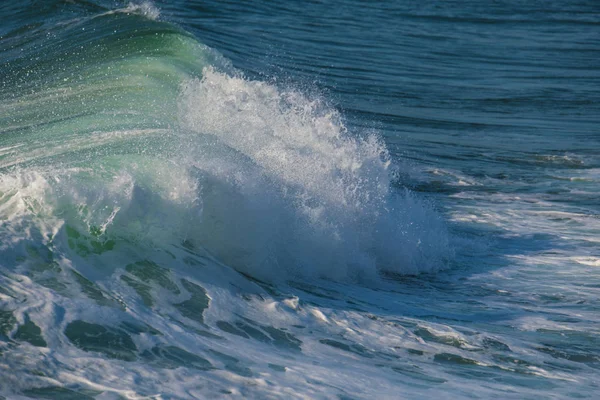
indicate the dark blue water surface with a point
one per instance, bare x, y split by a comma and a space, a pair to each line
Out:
481, 73
192, 204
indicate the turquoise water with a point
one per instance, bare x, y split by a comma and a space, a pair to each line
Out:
299, 200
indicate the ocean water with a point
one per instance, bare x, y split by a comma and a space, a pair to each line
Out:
345, 199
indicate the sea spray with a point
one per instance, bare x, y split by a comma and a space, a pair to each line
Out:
292, 191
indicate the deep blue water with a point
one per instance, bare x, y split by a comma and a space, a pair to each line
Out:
347, 199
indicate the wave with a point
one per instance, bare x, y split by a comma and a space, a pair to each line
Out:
154, 139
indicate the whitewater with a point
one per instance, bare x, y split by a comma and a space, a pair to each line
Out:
175, 224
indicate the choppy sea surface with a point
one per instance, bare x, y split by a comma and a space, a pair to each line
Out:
343, 199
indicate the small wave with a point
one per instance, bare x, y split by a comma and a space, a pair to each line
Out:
567, 160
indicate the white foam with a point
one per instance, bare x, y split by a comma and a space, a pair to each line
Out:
293, 191
145, 8
589, 261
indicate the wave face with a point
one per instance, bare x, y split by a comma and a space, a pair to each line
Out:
174, 224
